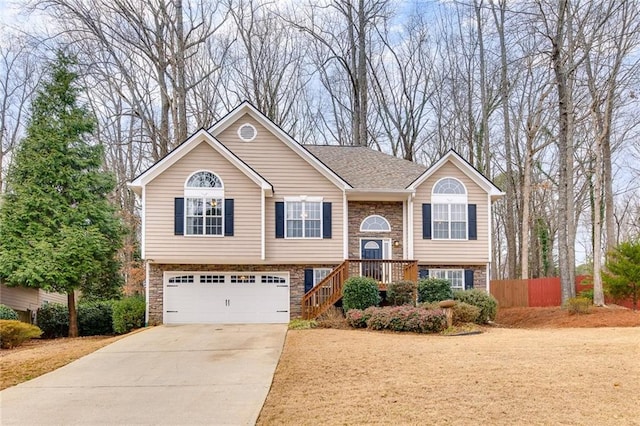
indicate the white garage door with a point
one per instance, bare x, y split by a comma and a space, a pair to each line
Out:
226, 297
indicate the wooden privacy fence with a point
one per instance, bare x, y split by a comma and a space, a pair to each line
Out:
538, 292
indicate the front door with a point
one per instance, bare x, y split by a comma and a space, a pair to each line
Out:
371, 249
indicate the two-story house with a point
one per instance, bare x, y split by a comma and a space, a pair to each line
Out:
243, 224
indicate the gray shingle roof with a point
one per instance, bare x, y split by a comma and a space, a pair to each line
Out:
366, 169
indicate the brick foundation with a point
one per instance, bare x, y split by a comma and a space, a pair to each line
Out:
296, 273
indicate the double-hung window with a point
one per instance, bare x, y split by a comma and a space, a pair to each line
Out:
454, 276
303, 218
204, 204
449, 200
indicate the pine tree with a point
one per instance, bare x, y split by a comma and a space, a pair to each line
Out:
58, 230
622, 275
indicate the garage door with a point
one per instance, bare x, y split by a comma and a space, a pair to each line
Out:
226, 297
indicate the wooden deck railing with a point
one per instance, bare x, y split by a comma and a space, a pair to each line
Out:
328, 291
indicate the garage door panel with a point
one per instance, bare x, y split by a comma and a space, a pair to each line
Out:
208, 297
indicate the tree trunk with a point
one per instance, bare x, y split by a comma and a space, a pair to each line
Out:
73, 314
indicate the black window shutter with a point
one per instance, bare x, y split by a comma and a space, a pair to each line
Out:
426, 221
279, 219
423, 273
326, 220
473, 226
228, 217
468, 279
178, 216
308, 280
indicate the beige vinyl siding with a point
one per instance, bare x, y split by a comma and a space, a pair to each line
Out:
290, 176
23, 299
448, 252
161, 243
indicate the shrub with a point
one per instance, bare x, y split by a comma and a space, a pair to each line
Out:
578, 305
487, 303
300, 324
465, 313
407, 318
53, 320
356, 318
6, 313
128, 314
401, 293
360, 293
95, 318
14, 333
434, 290
586, 294
332, 318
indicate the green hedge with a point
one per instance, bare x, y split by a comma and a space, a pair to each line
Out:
360, 293
128, 314
53, 320
95, 318
487, 303
434, 290
6, 313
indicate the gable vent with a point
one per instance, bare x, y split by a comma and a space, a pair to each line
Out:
247, 132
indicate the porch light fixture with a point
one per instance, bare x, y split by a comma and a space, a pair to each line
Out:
396, 243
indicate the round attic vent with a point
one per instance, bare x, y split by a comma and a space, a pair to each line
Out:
247, 132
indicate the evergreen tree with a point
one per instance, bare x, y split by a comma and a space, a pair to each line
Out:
622, 276
58, 230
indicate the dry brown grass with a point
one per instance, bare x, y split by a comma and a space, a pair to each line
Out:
38, 357
581, 376
568, 376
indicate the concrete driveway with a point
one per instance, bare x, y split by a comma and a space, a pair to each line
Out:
172, 375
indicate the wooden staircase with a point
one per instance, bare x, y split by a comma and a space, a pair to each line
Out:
329, 291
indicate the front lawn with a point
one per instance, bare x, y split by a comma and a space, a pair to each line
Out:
504, 376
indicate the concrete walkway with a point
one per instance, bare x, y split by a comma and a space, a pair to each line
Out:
170, 375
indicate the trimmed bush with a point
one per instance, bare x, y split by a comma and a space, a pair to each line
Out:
14, 333
128, 314
487, 303
578, 305
465, 313
434, 290
95, 318
356, 318
6, 313
360, 293
407, 318
402, 293
53, 320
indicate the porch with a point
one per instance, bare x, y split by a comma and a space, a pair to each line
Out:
329, 291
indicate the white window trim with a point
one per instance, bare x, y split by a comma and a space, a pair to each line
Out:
377, 216
448, 200
327, 271
203, 193
255, 132
432, 273
303, 199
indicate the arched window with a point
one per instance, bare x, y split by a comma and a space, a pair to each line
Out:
375, 223
204, 204
449, 200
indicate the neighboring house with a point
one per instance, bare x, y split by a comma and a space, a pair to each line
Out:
241, 223
26, 301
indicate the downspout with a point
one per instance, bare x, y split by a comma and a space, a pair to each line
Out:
345, 225
146, 292
262, 230
410, 226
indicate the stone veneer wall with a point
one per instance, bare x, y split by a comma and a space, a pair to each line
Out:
296, 282
390, 210
479, 273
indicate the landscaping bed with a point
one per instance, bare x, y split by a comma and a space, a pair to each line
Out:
555, 317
